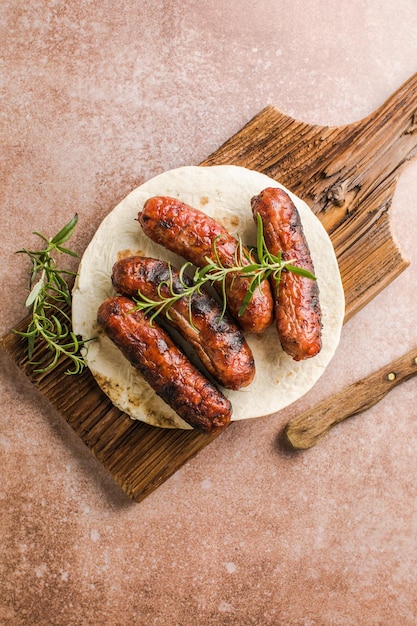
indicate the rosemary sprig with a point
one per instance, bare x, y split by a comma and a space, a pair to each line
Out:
268, 265
49, 290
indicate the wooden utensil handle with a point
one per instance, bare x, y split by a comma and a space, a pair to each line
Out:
305, 430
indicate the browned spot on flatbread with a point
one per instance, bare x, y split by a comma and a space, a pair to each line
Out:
204, 200
229, 222
124, 254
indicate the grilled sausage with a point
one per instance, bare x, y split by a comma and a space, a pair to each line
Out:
297, 306
192, 234
162, 364
216, 339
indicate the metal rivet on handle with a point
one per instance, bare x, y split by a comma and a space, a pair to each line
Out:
392, 376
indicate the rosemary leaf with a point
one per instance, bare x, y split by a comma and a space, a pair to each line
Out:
300, 271
36, 289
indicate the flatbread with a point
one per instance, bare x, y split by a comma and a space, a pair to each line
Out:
224, 193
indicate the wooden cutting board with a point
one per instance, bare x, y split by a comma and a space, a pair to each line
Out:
347, 174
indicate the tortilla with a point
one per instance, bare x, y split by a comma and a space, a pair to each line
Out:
224, 193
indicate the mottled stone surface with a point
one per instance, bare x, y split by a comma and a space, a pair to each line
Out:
96, 98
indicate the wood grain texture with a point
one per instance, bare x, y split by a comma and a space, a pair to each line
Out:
347, 175
308, 428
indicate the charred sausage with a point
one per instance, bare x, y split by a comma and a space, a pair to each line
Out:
192, 234
162, 364
297, 306
216, 339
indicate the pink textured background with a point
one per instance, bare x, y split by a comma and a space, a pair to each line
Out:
96, 98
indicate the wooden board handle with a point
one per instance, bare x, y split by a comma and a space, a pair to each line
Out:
328, 165
347, 175
305, 430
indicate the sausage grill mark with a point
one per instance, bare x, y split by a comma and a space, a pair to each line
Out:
296, 299
216, 339
168, 371
193, 235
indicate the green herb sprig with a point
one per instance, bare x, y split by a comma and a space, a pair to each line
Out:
49, 291
268, 265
